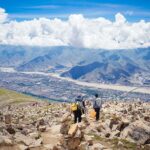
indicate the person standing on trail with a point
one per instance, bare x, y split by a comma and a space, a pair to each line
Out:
81, 102
97, 105
76, 108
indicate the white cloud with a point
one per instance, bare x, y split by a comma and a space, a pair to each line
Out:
3, 15
76, 31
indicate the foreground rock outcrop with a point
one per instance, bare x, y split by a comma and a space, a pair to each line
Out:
49, 126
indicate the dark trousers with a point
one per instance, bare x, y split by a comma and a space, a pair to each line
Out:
97, 110
77, 116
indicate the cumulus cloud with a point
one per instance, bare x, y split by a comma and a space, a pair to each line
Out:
76, 31
3, 15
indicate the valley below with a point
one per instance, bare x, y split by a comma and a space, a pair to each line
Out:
53, 86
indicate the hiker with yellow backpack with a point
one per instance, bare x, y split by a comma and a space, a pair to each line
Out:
77, 108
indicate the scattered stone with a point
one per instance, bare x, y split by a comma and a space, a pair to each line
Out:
36, 143
20, 138
120, 143
73, 129
34, 135
42, 128
89, 140
65, 117
41, 122
10, 129
22, 147
64, 128
5, 141
73, 143
84, 146
7, 119
97, 146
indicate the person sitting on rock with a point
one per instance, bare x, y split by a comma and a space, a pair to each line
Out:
97, 105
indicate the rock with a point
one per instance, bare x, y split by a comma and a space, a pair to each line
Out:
5, 141
78, 133
52, 147
137, 131
34, 135
1, 118
107, 135
22, 147
8, 142
7, 119
88, 139
84, 146
120, 143
115, 134
20, 138
1, 140
73, 129
73, 143
82, 126
97, 146
65, 117
147, 118
36, 143
41, 122
64, 128
123, 124
42, 128
10, 129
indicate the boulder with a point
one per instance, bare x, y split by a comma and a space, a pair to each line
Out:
34, 135
10, 129
88, 139
120, 143
8, 119
52, 147
84, 146
36, 143
42, 128
64, 128
41, 122
73, 143
73, 129
115, 134
20, 138
82, 126
123, 124
22, 147
65, 117
5, 141
97, 146
78, 133
137, 131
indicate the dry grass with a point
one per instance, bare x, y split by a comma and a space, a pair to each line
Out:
12, 97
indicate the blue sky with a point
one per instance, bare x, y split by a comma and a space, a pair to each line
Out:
134, 10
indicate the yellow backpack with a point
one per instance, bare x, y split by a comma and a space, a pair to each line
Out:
74, 107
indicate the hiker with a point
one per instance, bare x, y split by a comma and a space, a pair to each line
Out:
81, 101
76, 108
97, 105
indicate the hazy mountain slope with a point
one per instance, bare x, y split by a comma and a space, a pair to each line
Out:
113, 66
64, 56
13, 56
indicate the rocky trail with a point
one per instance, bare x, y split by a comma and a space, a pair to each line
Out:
49, 126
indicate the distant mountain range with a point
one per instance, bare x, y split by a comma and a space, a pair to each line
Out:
92, 65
